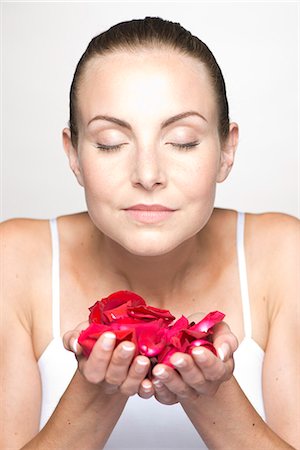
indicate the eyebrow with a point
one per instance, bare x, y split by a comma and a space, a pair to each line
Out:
164, 124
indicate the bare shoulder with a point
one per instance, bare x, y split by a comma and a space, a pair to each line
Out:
23, 243
273, 243
25, 253
274, 222
22, 234
276, 232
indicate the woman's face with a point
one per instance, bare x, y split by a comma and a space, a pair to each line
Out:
148, 136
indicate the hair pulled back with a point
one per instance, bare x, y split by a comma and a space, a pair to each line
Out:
151, 32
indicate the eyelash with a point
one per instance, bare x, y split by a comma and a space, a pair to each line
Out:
114, 148
186, 146
109, 148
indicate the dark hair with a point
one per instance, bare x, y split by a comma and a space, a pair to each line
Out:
151, 31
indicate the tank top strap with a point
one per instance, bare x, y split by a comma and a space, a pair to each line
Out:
55, 279
243, 274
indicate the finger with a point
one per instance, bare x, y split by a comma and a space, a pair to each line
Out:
189, 370
137, 372
95, 367
146, 389
70, 338
70, 342
173, 381
224, 341
163, 394
121, 359
212, 367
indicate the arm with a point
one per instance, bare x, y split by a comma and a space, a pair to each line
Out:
97, 394
220, 411
228, 416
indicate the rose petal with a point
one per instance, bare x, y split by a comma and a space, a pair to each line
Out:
180, 325
151, 338
208, 322
146, 312
115, 313
201, 343
164, 357
127, 315
103, 311
90, 335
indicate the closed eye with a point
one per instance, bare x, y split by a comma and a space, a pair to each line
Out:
185, 146
109, 148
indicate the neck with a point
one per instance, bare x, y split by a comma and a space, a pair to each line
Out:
158, 279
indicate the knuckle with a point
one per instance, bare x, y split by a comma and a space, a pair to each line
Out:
209, 363
199, 385
92, 377
118, 360
217, 375
113, 380
128, 391
183, 392
110, 389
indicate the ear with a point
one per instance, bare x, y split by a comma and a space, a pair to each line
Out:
72, 154
228, 152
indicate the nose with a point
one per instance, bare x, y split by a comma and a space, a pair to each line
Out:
148, 171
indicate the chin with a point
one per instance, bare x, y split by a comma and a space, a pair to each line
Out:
153, 245
148, 252
145, 247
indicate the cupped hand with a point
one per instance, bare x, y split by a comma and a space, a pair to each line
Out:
200, 373
112, 367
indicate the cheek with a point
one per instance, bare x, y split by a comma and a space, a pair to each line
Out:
200, 180
100, 179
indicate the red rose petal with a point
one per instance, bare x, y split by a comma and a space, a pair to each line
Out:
202, 343
103, 311
208, 322
180, 325
145, 312
151, 337
128, 316
164, 357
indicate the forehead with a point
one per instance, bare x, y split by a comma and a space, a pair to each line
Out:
154, 80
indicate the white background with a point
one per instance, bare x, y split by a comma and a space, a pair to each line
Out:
255, 43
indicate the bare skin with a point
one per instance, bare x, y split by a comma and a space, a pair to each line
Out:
31, 345
187, 264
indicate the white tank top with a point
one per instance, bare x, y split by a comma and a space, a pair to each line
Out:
147, 424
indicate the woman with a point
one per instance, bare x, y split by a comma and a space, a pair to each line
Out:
149, 138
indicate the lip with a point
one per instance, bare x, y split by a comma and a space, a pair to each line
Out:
142, 207
149, 214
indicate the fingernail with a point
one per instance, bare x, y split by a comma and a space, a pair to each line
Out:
147, 389
126, 350
108, 341
147, 386
140, 365
74, 345
200, 354
179, 362
223, 351
161, 373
